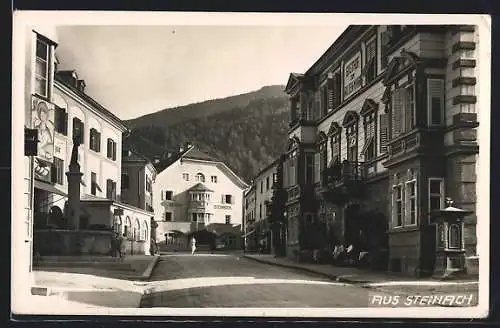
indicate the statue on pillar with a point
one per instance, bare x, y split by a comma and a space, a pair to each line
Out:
74, 178
74, 152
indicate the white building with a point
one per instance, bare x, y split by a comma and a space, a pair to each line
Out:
194, 192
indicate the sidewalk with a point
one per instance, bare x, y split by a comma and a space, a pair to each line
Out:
93, 287
370, 279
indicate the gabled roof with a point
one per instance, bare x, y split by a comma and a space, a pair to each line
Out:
193, 153
200, 187
292, 79
59, 77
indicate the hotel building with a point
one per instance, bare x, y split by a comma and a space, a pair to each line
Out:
383, 128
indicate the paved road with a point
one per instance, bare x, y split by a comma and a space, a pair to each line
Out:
206, 280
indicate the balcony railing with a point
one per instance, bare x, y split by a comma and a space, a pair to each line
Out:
343, 173
198, 204
420, 138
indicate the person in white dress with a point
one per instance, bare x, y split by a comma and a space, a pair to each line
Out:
193, 245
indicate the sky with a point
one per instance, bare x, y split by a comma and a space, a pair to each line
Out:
136, 70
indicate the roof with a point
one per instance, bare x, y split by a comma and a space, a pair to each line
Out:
90, 100
274, 163
199, 187
194, 153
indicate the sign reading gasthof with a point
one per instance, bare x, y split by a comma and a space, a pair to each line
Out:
352, 75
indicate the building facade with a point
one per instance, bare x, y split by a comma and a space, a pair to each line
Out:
264, 181
382, 130
249, 219
194, 191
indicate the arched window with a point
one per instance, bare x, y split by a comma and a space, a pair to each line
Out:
200, 177
144, 230
128, 225
137, 229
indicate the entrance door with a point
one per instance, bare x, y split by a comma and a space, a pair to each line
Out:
351, 227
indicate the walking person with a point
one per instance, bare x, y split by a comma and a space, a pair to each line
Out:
193, 245
119, 245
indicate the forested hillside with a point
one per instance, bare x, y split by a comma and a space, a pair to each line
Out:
246, 137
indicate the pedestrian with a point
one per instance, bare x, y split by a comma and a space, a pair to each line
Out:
193, 245
119, 245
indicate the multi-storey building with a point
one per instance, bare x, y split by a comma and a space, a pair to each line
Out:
195, 194
382, 129
249, 218
59, 111
263, 193
138, 176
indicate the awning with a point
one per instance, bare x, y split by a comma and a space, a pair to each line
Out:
248, 233
49, 188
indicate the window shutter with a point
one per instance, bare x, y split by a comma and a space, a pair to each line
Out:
408, 106
114, 151
384, 129
98, 141
223, 199
397, 111
331, 89
65, 123
108, 150
317, 166
435, 101
53, 173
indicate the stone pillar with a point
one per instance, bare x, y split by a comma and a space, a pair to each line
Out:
74, 178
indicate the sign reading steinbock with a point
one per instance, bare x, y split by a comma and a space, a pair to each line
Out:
352, 75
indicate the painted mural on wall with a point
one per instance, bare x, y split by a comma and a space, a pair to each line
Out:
42, 119
42, 170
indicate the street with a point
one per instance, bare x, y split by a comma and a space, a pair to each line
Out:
220, 280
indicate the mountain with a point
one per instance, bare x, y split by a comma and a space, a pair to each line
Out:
175, 115
246, 132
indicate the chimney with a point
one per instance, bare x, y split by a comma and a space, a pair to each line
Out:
80, 85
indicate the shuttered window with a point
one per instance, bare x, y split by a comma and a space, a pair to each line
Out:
371, 60
397, 111
409, 108
352, 143
331, 90
78, 129
61, 120
324, 100
369, 146
335, 144
435, 101
95, 140
384, 132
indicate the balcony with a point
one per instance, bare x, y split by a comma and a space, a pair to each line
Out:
200, 204
423, 140
343, 181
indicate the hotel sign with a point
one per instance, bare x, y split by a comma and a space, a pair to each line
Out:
222, 207
352, 75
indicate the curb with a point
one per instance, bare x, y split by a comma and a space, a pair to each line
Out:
149, 270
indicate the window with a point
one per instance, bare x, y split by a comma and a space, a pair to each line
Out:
42, 67
228, 219
397, 194
61, 121
435, 102
369, 149
110, 189
436, 194
324, 99
371, 60
261, 186
352, 143
168, 217
78, 129
384, 132
403, 110
227, 199
213, 178
455, 236
57, 173
309, 167
335, 145
194, 217
168, 195
441, 236
93, 183
185, 176
111, 149
292, 169
95, 140
200, 177
267, 183
411, 202
125, 181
